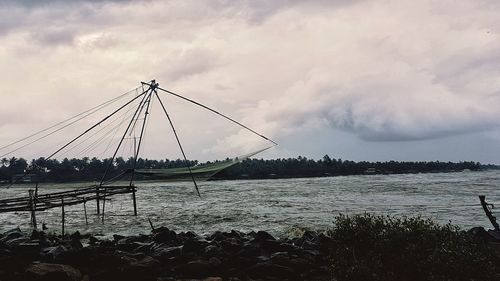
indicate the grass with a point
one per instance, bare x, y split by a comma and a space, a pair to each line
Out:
369, 247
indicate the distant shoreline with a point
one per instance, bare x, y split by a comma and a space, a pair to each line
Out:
92, 183
74, 170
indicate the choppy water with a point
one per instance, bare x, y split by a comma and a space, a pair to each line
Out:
281, 206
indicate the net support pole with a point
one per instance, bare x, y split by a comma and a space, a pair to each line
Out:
178, 142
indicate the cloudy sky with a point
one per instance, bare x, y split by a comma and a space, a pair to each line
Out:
360, 80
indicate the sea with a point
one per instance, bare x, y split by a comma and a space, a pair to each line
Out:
283, 207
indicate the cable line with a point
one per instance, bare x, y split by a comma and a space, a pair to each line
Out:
93, 109
95, 125
216, 112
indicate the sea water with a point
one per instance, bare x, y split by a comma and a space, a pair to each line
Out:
280, 206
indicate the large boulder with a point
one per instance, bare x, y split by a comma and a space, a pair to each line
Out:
52, 272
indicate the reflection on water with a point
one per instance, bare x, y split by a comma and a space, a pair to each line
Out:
280, 206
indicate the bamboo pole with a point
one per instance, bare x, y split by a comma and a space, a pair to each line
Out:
103, 205
85, 211
32, 207
97, 199
134, 200
62, 215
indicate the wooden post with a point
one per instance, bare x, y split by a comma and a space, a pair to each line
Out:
32, 208
489, 214
97, 199
62, 215
85, 211
103, 205
133, 198
151, 224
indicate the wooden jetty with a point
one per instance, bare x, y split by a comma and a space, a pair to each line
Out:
35, 202
42, 202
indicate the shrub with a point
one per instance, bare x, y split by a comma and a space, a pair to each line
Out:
370, 247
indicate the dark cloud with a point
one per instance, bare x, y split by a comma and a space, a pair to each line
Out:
259, 10
52, 21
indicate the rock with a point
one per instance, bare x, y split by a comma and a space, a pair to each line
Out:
482, 234
213, 279
93, 241
296, 263
35, 234
132, 246
167, 253
30, 246
236, 234
16, 241
326, 243
231, 245
54, 252
117, 238
14, 230
217, 236
267, 270
75, 244
190, 235
76, 235
273, 246
195, 246
309, 235
11, 235
146, 268
141, 247
52, 272
249, 250
107, 244
215, 262
262, 236
164, 235
213, 250
196, 269
146, 262
166, 279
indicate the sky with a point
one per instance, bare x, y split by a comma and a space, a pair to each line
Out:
359, 80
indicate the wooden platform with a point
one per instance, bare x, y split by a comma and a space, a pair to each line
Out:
41, 202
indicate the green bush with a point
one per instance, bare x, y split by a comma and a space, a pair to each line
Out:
369, 247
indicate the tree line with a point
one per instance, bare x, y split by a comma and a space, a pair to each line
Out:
304, 167
92, 169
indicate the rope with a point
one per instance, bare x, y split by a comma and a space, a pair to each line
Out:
95, 125
216, 112
86, 113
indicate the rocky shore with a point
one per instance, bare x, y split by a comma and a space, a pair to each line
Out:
164, 255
